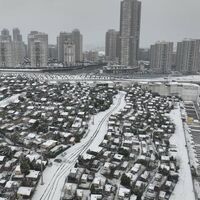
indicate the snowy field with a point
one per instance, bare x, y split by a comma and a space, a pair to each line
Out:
184, 189
54, 177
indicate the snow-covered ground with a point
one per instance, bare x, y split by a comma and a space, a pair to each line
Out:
98, 77
54, 177
184, 189
191, 78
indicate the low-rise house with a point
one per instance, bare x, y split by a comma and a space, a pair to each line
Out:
95, 166
140, 186
165, 159
10, 164
150, 194
144, 177
117, 174
118, 157
162, 195
124, 165
108, 189
25, 192
17, 173
98, 185
124, 193
136, 168
12, 185
69, 191
49, 144
84, 178
33, 175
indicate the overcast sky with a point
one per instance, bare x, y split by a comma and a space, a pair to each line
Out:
170, 20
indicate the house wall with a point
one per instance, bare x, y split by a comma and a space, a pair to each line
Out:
188, 92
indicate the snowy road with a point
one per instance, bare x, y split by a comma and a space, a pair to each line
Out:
54, 177
184, 189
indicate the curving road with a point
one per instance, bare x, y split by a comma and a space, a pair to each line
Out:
53, 186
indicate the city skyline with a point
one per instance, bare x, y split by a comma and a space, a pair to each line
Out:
99, 100
170, 21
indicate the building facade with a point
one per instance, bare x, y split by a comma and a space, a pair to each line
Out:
161, 57
61, 39
39, 36
112, 46
130, 19
16, 35
19, 51
53, 52
39, 50
6, 49
76, 37
144, 54
6, 54
5, 35
188, 56
69, 53
91, 56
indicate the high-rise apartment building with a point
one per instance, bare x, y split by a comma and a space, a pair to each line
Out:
39, 50
6, 50
5, 35
30, 38
6, 54
91, 56
130, 19
19, 51
161, 57
69, 53
53, 52
37, 35
16, 35
76, 37
61, 39
112, 46
188, 56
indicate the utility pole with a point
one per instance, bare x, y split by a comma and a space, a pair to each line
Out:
42, 179
93, 119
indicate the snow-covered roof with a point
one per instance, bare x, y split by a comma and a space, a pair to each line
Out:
33, 174
49, 143
95, 196
2, 158
123, 192
25, 191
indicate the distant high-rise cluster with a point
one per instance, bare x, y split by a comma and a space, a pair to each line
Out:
184, 59
122, 47
12, 51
